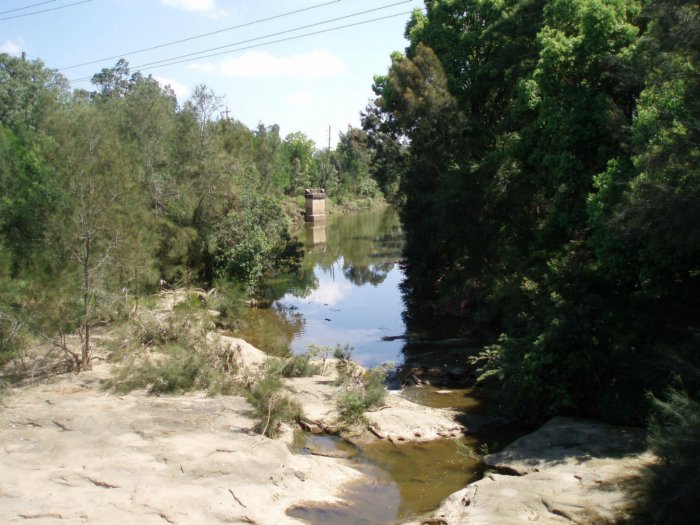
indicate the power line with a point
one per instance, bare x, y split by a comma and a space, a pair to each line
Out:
45, 10
196, 55
295, 37
195, 37
27, 7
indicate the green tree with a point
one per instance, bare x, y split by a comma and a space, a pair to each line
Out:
147, 124
29, 194
253, 239
299, 151
269, 158
113, 82
94, 220
510, 110
28, 92
354, 158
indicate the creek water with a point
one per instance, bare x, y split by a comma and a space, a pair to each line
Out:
347, 292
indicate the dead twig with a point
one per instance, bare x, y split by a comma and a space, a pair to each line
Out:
237, 500
270, 405
102, 484
63, 427
42, 515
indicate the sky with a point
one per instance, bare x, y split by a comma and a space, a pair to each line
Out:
302, 84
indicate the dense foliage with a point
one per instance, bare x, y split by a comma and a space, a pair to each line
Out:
550, 172
104, 193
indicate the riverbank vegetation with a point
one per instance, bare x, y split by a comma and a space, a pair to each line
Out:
549, 167
105, 193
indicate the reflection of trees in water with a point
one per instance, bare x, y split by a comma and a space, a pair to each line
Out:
291, 317
368, 243
272, 329
299, 284
374, 275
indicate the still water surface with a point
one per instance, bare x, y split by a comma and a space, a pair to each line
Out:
347, 291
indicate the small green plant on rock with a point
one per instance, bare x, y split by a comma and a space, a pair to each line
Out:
360, 390
344, 366
467, 451
271, 407
317, 352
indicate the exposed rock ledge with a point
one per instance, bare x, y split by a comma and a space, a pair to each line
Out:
72, 453
569, 471
399, 420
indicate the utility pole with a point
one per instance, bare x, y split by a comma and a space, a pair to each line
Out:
329, 138
225, 113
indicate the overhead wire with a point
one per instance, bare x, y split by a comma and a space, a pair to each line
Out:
195, 37
202, 54
156, 65
26, 7
45, 10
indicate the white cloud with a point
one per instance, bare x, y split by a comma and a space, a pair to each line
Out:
204, 68
180, 89
329, 293
202, 6
11, 48
300, 97
255, 64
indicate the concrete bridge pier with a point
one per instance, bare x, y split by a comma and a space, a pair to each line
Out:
315, 205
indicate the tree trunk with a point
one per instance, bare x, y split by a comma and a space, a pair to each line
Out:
85, 361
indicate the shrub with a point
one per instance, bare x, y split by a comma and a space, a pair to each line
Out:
149, 330
177, 370
322, 353
374, 390
229, 300
363, 393
671, 494
343, 364
187, 358
351, 406
252, 240
300, 366
13, 340
193, 302
185, 326
271, 407
182, 371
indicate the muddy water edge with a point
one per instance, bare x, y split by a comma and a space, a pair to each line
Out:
347, 292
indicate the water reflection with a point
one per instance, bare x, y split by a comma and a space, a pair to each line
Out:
346, 290
315, 235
